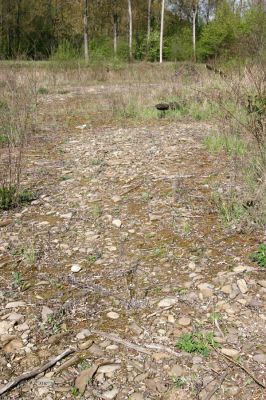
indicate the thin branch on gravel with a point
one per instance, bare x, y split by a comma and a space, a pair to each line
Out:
242, 367
217, 386
130, 189
35, 372
142, 349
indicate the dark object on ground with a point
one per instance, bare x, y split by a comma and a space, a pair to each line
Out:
216, 71
163, 107
174, 105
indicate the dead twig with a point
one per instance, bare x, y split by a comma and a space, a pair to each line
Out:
35, 372
242, 367
142, 349
131, 189
217, 386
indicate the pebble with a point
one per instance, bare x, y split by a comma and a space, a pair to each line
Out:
111, 394
176, 370
260, 358
117, 223
137, 396
241, 283
13, 346
83, 334
206, 290
4, 327
113, 315
230, 352
75, 268
226, 289
262, 283
240, 268
16, 304
116, 198
167, 302
15, 317
108, 368
46, 311
184, 321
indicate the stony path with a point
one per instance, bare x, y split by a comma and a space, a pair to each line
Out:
127, 242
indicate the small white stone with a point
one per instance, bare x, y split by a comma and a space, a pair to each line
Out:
240, 268
112, 315
184, 321
116, 199
241, 283
167, 302
117, 223
16, 304
230, 352
75, 268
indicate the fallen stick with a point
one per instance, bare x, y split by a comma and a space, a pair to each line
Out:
142, 349
35, 372
131, 189
217, 386
242, 367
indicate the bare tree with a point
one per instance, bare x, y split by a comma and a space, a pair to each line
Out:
149, 20
161, 34
194, 16
130, 28
86, 29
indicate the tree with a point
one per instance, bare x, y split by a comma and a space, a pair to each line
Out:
86, 30
194, 15
130, 28
161, 32
149, 20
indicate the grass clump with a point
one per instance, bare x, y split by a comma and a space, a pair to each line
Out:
197, 342
11, 197
259, 256
43, 90
232, 145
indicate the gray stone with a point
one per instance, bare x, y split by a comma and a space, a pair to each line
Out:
167, 302
16, 304
260, 358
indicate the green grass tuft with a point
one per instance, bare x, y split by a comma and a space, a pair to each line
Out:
197, 342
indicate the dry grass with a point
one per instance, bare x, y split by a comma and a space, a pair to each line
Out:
69, 95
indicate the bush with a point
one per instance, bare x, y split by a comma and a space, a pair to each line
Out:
65, 52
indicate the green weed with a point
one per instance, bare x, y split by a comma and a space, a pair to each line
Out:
84, 364
43, 90
232, 145
260, 255
8, 197
179, 381
197, 342
159, 252
92, 258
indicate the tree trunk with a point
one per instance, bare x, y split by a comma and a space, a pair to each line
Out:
130, 28
149, 21
194, 15
115, 22
161, 34
86, 30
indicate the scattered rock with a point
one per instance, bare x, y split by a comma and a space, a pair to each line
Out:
46, 312
110, 394
13, 346
116, 198
4, 327
241, 283
230, 352
176, 370
260, 358
75, 268
184, 321
137, 396
117, 223
262, 283
167, 302
109, 368
83, 334
16, 304
113, 315
206, 290
240, 268
84, 377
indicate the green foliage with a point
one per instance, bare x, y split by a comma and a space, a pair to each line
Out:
8, 197
43, 90
197, 342
179, 381
230, 209
219, 35
231, 144
260, 255
65, 52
